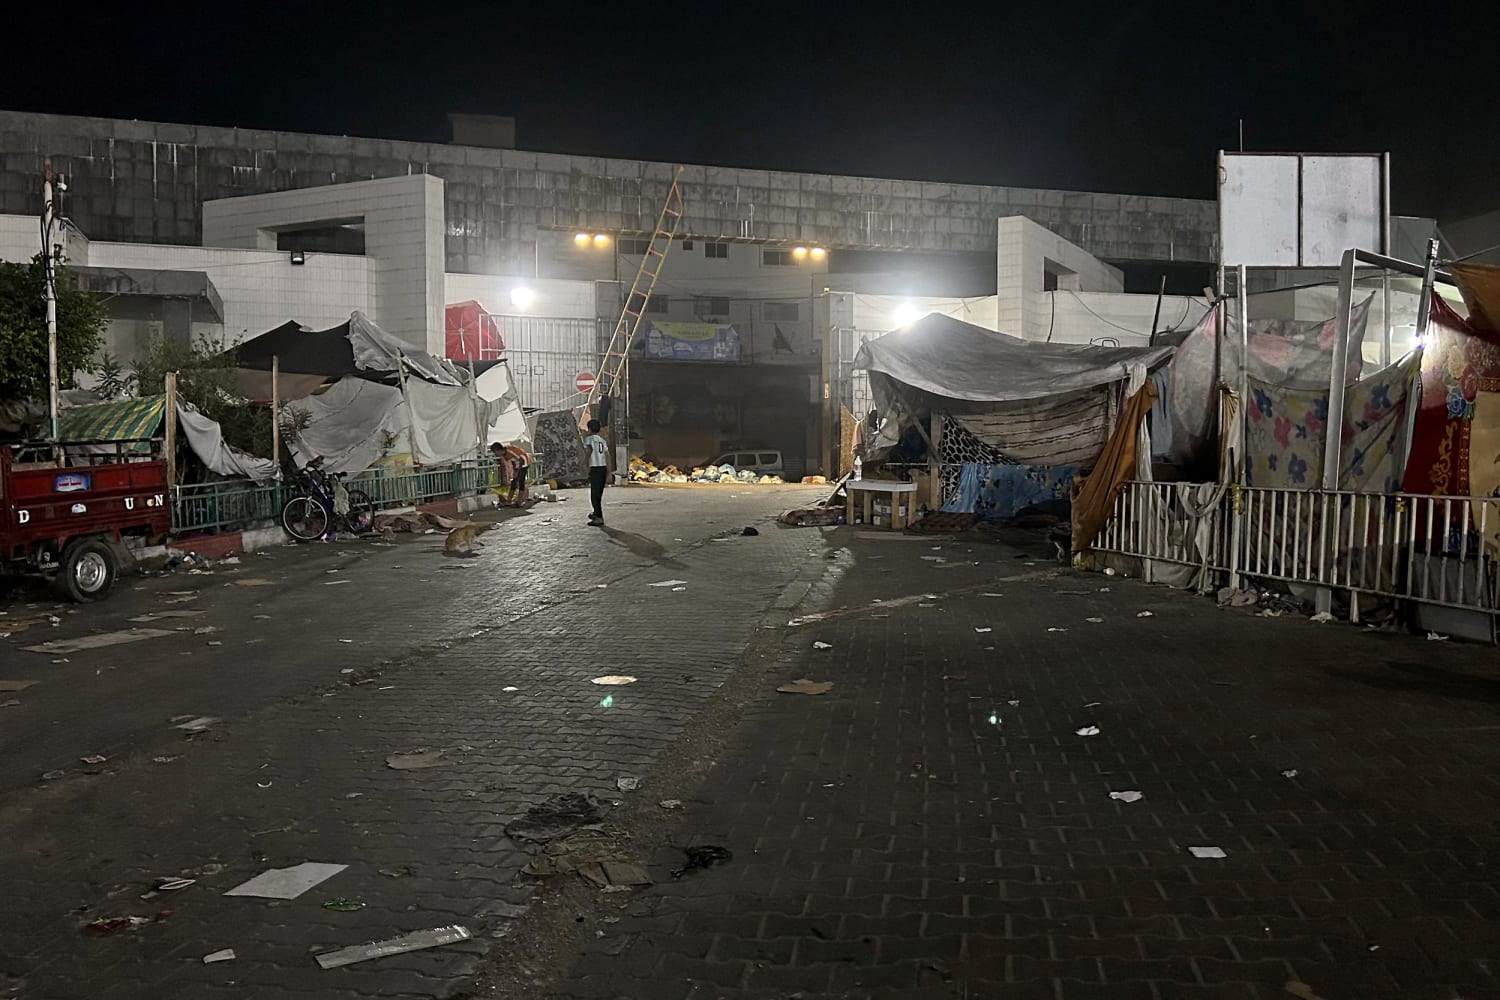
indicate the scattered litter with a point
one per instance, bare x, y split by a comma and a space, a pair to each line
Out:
350, 641
113, 925
263, 784
172, 884
388, 687
1013, 702
53, 775
206, 630
1299, 989
286, 883
627, 784
343, 905
1126, 796
10, 703
613, 680
1436, 637
1322, 617
982, 631
335, 583
227, 955
670, 803
1089, 731
160, 615
1056, 629
415, 941
1109, 571
677, 590
15, 685
397, 872
953, 677
1145, 614
413, 760
510, 690
991, 595
703, 856
167, 759
1207, 852
1103, 590
255, 581
1093, 704
555, 817
614, 876
1289, 773
198, 725
98, 641
93, 759
215, 642
347, 670
750, 531
805, 686
667, 583
822, 645
1236, 598
1096, 621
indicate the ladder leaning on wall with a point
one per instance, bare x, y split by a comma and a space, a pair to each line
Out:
634, 307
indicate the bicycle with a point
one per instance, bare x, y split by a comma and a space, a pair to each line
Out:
326, 506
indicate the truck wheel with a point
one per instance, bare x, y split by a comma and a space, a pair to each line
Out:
87, 571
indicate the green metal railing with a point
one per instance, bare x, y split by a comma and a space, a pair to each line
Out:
234, 505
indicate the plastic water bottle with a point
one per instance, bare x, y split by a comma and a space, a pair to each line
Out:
859, 469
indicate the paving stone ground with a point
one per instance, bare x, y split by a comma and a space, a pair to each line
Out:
936, 827
414, 651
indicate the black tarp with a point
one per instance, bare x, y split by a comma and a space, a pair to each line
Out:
304, 352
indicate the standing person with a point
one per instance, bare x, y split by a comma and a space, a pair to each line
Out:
865, 433
498, 453
598, 450
520, 465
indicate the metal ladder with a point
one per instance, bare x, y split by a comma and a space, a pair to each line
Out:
618, 350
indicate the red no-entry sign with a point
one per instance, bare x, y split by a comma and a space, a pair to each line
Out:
584, 382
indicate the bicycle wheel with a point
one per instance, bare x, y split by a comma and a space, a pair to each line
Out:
361, 516
304, 518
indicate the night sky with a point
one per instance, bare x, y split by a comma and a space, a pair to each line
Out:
1133, 98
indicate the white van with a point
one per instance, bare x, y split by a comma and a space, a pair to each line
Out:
758, 461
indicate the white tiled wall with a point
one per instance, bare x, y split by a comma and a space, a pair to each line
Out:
1024, 308
261, 289
881, 312
553, 297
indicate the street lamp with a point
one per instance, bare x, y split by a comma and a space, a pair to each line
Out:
601, 240
521, 297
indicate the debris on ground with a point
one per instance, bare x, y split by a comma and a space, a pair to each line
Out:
193, 725
226, 955
286, 883
667, 583
627, 784
1236, 597
750, 532
93, 758
1131, 796
703, 856
1322, 617
812, 517
414, 760
15, 685
415, 941
98, 641
805, 686
1145, 614
613, 680
1289, 773
557, 816
670, 803
1300, 989
168, 884
1436, 637
1089, 731
1207, 852
162, 615
615, 876
822, 645
1056, 629
343, 905
113, 925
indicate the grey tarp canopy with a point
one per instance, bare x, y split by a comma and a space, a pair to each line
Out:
957, 360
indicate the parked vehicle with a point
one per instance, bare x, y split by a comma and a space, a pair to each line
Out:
326, 506
65, 508
761, 461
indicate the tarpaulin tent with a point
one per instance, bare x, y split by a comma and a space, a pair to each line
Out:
135, 419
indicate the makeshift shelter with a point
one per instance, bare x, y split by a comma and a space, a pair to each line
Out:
1011, 420
136, 419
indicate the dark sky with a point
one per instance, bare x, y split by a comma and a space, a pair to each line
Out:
1110, 97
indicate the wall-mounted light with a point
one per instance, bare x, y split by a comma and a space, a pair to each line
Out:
905, 314
818, 253
581, 239
601, 240
799, 252
298, 258
522, 297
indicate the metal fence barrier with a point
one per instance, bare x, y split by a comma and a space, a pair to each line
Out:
1438, 550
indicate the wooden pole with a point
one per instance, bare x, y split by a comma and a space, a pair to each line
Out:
171, 417
276, 410
1156, 316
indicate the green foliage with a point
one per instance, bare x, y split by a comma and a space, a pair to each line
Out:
206, 378
23, 328
115, 380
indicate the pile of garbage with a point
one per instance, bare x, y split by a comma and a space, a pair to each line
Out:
642, 471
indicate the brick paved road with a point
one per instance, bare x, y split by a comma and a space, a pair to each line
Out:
296, 770
936, 827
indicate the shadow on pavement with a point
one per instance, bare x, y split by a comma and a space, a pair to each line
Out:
641, 546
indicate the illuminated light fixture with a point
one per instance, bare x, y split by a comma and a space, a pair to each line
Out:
601, 240
298, 258
905, 314
581, 239
819, 253
521, 297
799, 252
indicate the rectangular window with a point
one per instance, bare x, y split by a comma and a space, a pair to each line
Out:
716, 306
716, 251
776, 258
657, 305
687, 244
636, 248
781, 312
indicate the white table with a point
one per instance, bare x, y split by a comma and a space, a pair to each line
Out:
896, 491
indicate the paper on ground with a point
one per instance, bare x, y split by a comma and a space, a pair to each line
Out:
1126, 796
667, 583
287, 883
158, 615
806, 686
981, 631
822, 645
15, 685
1208, 852
612, 680
227, 955
1089, 731
99, 641
415, 941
